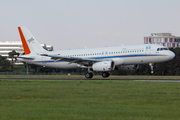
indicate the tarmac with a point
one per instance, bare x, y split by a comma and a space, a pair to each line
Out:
154, 80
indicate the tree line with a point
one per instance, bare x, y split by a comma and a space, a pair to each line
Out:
171, 67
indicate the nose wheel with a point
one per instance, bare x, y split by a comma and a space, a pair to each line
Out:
151, 66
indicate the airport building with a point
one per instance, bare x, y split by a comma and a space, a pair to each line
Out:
165, 39
8, 46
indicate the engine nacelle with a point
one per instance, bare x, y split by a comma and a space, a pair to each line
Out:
103, 66
127, 67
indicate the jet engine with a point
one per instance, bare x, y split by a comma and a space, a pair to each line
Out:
103, 66
127, 67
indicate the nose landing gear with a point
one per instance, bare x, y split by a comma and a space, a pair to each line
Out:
151, 66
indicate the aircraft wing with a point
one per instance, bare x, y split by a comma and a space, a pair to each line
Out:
84, 61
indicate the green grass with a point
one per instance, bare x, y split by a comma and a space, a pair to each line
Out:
89, 100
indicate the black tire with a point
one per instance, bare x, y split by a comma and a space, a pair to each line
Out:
105, 74
88, 75
91, 75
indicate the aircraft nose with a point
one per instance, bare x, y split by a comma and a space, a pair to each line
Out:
171, 55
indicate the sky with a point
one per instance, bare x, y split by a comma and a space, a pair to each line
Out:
74, 24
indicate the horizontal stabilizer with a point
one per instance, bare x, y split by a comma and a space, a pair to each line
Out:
27, 57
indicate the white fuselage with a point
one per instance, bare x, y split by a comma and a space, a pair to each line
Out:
121, 55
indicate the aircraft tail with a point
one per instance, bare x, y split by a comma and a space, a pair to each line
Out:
30, 44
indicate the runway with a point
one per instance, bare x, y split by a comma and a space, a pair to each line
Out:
159, 80
153, 80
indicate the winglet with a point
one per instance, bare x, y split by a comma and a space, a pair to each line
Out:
25, 45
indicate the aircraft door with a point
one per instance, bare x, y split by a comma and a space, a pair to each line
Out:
148, 50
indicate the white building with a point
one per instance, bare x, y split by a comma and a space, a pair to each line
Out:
165, 39
8, 46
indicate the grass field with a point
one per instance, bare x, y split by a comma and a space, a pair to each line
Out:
89, 100
79, 77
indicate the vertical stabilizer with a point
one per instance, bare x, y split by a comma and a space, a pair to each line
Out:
30, 44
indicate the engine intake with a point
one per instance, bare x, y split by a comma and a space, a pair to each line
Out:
103, 66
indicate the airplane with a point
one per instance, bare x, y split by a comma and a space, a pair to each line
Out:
104, 59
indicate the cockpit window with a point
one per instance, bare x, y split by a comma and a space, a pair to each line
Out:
160, 49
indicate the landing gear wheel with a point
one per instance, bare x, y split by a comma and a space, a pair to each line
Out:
91, 75
105, 74
151, 66
88, 75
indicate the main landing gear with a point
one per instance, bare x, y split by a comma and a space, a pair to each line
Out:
90, 75
105, 74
